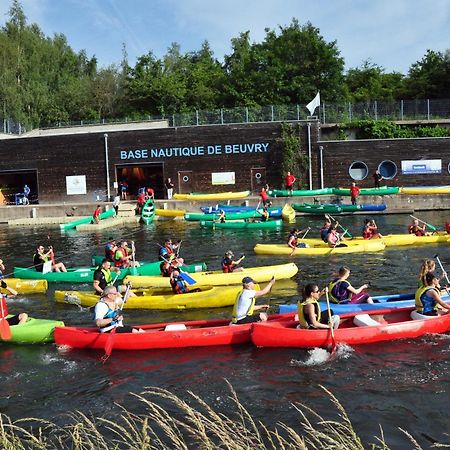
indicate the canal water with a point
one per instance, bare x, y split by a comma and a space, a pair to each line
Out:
401, 384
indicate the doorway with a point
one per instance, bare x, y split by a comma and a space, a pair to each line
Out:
12, 183
139, 176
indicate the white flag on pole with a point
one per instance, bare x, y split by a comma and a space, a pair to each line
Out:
313, 104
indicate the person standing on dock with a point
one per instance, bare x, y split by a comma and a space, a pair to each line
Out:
96, 215
26, 194
116, 203
354, 193
377, 177
289, 182
263, 195
169, 186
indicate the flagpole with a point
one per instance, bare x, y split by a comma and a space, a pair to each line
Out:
309, 156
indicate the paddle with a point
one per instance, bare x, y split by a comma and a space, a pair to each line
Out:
110, 341
184, 275
431, 227
331, 348
5, 330
303, 237
345, 230
443, 271
133, 258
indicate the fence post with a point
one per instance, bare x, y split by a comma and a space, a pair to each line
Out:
196, 116
428, 108
246, 114
221, 116
298, 112
350, 111
401, 109
271, 110
375, 104
323, 113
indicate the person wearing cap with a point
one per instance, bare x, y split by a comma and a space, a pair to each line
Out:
229, 265
107, 313
244, 305
428, 297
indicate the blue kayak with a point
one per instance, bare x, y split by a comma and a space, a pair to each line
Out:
383, 301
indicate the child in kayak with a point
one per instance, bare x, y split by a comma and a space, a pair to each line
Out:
341, 291
18, 319
428, 297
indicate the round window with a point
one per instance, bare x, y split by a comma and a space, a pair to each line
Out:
358, 170
388, 169
185, 178
258, 176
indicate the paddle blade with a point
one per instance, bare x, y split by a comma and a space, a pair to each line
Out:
186, 277
109, 345
5, 330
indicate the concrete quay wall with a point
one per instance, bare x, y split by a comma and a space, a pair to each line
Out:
58, 213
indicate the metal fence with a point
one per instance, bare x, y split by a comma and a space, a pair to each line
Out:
402, 110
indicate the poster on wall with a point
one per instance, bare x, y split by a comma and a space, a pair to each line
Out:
223, 178
76, 185
421, 166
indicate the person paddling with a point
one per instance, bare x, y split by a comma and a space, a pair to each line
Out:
341, 291
334, 239
103, 276
229, 264
418, 230
41, 257
18, 319
428, 299
244, 306
309, 313
107, 313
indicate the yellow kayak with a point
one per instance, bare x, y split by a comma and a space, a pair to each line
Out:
319, 250
288, 213
25, 286
424, 190
208, 297
390, 240
170, 212
217, 278
217, 196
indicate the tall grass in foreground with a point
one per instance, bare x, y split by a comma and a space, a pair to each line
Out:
180, 425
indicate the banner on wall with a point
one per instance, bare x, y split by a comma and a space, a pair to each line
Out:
76, 185
223, 178
421, 166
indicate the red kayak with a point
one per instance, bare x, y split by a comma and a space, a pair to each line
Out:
355, 328
197, 333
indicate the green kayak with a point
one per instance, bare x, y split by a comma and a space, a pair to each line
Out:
300, 193
86, 274
368, 191
230, 216
89, 219
152, 268
241, 224
34, 331
148, 212
320, 209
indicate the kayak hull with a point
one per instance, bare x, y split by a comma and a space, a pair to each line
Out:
368, 191
25, 286
148, 211
199, 333
425, 190
84, 220
270, 224
208, 297
170, 212
217, 196
329, 208
300, 192
34, 331
259, 274
384, 325
320, 250
288, 213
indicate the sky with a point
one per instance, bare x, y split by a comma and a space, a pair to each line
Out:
393, 34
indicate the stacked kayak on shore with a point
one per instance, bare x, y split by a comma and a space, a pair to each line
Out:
259, 274
242, 224
33, 331
238, 215
331, 208
425, 190
319, 248
84, 220
384, 190
206, 297
216, 196
355, 328
273, 211
300, 192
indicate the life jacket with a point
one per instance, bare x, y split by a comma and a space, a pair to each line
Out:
424, 302
227, 265
4, 307
447, 227
333, 237
165, 269
120, 257
107, 275
294, 241
339, 291
367, 233
110, 314
178, 286
302, 320
413, 229
236, 305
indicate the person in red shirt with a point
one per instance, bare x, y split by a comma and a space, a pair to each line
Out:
354, 192
150, 193
264, 196
96, 214
140, 203
289, 181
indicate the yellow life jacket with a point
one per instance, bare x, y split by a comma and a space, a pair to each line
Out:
331, 286
236, 304
301, 311
420, 305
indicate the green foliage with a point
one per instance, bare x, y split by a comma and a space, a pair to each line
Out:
384, 129
293, 159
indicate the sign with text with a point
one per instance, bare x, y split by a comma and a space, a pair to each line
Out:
76, 185
223, 178
198, 150
421, 166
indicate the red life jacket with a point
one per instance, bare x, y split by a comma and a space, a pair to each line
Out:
227, 265
4, 308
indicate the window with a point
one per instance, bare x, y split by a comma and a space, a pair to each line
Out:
358, 170
388, 169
